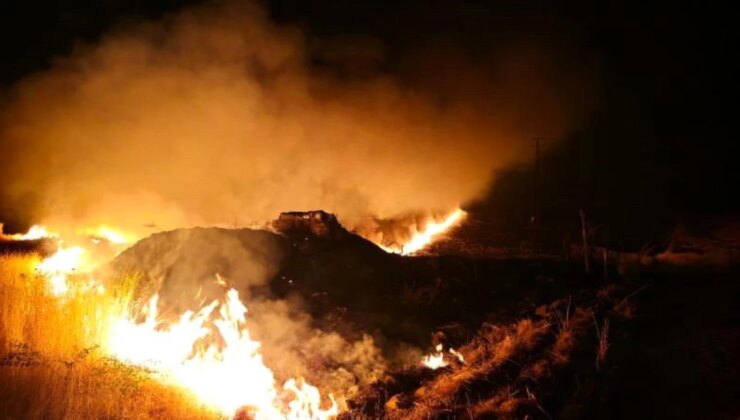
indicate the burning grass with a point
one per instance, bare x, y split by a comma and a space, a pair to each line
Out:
58, 317
50, 362
507, 370
33, 317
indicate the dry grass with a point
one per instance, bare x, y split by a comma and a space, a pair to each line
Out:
491, 351
602, 335
59, 328
508, 368
50, 365
570, 327
90, 389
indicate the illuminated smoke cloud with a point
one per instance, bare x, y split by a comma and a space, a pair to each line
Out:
213, 116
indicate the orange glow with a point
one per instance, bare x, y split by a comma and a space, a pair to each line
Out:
60, 265
437, 360
97, 234
107, 233
458, 355
227, 376
208, 352
34, 233
431, 232
74, 258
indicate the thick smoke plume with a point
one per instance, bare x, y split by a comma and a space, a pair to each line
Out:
215, 116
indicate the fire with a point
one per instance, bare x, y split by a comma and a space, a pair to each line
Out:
228, 374
96, 234
76, 259
34, 233
437, 360
420, 239
208, 352
69, 260
60, 265
106, 233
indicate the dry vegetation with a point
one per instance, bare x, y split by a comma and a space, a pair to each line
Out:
50, 363
506, 368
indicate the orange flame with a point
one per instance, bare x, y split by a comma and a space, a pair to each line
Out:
226, 377
106, 233
69, 260
60, 265
423, 238
96, 234
34, 233
208, 352
437, 360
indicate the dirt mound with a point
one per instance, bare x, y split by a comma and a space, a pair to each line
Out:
181, 264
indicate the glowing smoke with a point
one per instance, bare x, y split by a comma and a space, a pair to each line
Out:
213, 116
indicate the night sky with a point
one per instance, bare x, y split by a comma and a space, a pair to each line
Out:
659, 138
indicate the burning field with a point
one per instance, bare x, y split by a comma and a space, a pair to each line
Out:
69, 313
244, 323
159, 143
168, 317
253, 210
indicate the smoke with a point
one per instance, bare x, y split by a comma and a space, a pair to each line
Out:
179, 266
293, 347
214, 116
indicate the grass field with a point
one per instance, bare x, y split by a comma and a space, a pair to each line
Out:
51, 363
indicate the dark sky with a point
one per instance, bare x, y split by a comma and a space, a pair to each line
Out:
659, 135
